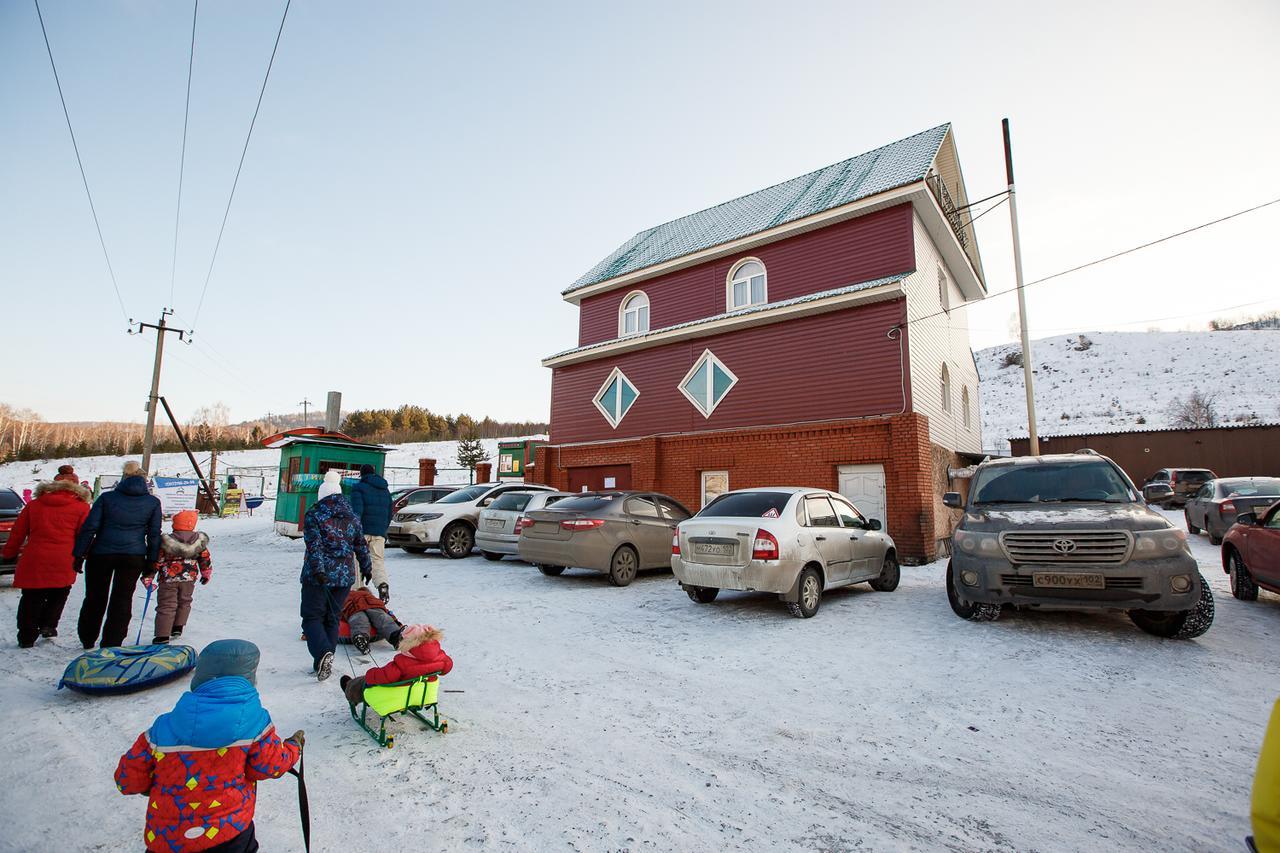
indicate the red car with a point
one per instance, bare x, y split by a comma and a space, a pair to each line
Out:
10, 505
1251, 553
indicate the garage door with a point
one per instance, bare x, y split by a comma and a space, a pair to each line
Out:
598, 478
864, 485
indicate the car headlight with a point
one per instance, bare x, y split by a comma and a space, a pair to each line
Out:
424, 516
979, 544
1155, 544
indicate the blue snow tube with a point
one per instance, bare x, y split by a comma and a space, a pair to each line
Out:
124, 669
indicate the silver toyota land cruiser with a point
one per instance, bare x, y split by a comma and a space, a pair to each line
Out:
1071, 531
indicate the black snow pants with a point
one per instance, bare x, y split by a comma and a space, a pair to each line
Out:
109, 584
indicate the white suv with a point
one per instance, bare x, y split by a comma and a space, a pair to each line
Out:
450, 523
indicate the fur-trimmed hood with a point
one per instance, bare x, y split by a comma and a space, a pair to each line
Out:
54, 486
180, 545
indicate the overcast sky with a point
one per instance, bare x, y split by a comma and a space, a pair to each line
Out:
424, 178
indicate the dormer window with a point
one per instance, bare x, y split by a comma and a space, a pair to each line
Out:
747, 285
633, 315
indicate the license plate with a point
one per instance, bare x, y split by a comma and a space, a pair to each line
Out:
1069, 580
493, 522
713, 550
394, 528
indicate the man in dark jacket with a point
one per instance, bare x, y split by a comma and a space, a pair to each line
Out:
334, 542
371, 501
120, 539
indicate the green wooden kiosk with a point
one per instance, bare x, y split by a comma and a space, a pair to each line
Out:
306, 455
515, 456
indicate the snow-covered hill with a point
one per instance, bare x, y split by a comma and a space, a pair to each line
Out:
1127, 381
402, 464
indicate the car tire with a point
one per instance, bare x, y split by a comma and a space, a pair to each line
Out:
702, 594
413, 549
1243, 586
550, 571
1180, 624
1214, 539
809, 592
1191, 528
973, 612
457, 540
890, 574
491, 556
624, 566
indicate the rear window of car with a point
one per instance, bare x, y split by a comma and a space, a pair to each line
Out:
9, 499
513, 501
1249, 488
1195, 476
588, 503
746, 505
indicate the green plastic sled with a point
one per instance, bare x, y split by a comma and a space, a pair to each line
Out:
413, 697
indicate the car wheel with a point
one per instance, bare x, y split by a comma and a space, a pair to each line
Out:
810, 592
550, 571
457, 540
890, 574
974, 612
1179, 624
1214, 539
702, 594
413, 549
491, 557
1243, 585
1191, 528
623, 566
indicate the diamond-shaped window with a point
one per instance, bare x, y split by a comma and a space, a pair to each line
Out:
615, 397
707, 383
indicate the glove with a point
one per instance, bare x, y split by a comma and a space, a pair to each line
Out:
78, 565
366, 576
298, 737
203, 581
150, 568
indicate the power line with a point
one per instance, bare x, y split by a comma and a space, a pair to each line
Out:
92, 209
182, 164
217, 245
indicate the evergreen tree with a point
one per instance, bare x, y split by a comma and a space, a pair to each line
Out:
471, 452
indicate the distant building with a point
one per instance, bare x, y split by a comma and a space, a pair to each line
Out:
813, 333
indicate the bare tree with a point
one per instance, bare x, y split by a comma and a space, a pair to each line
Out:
1198, 411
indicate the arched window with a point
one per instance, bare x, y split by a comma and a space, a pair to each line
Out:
633, 314
747, 285
946, 389
964, 405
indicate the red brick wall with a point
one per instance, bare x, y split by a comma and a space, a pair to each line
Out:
807, 455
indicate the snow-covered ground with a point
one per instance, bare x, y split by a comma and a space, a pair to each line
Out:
402, 464
1124, 376
596, 718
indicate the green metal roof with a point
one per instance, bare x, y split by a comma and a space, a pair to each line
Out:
894, 165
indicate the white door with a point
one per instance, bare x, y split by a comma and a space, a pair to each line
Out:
864, 485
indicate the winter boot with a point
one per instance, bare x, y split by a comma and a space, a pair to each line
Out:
394, 639
159, 641
48, 633
27, 644
325, 668
384, 592
176, 632
361, 642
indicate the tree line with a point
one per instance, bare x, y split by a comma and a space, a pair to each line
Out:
415, 423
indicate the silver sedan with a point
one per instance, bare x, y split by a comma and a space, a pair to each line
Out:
793, 542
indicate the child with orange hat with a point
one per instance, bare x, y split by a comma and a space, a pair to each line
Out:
184, 559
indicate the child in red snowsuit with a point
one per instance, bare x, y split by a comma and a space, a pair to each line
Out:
419, 654
184, 558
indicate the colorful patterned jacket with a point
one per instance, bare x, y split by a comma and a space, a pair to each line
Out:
333, 536
199, 766
184, 556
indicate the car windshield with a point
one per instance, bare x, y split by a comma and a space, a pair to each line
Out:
515, 501
462, 496
746, 505
1240, 488
9, 499
1049, 482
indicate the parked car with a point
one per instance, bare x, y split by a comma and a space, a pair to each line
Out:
449, 523
1070, 531
1251, 553
793, 542
1215, 506
10, 507
402, 498
499, 525
618, 533
1174, 486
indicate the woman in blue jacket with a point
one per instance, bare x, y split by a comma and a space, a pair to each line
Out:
335, 544
120, 540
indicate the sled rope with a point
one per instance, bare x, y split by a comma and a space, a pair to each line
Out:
304, 807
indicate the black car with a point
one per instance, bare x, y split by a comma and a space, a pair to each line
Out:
10, 506
402, 498
1215, 506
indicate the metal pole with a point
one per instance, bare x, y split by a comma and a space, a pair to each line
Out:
305, 403
1028, 382
148, 440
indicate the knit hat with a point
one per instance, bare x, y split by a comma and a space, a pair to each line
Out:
366, 468
222, 658
332, 485
186, 520
67, 472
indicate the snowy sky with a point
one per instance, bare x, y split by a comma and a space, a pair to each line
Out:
425, 178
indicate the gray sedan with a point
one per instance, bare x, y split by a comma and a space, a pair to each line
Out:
1215, 506
498, 528
793, 542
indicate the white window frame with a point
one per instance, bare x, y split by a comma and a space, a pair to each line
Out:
731, 280
702, 478
944, 290
965, 401
709, 357
622, 314
946, 388
609, 416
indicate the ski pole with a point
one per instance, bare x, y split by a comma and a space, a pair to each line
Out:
142, 624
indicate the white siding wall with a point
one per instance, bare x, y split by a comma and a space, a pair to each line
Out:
938, 340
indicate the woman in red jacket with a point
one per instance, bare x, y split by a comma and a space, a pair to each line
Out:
45, 533
419, 654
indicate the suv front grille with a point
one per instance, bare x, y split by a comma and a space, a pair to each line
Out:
1067, 548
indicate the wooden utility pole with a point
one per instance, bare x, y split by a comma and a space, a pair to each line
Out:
149, 437
305, 404
1022, 299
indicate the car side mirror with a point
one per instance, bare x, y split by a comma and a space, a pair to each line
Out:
874, 524
953, 500
486, 501
1248, 519
1156, 491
